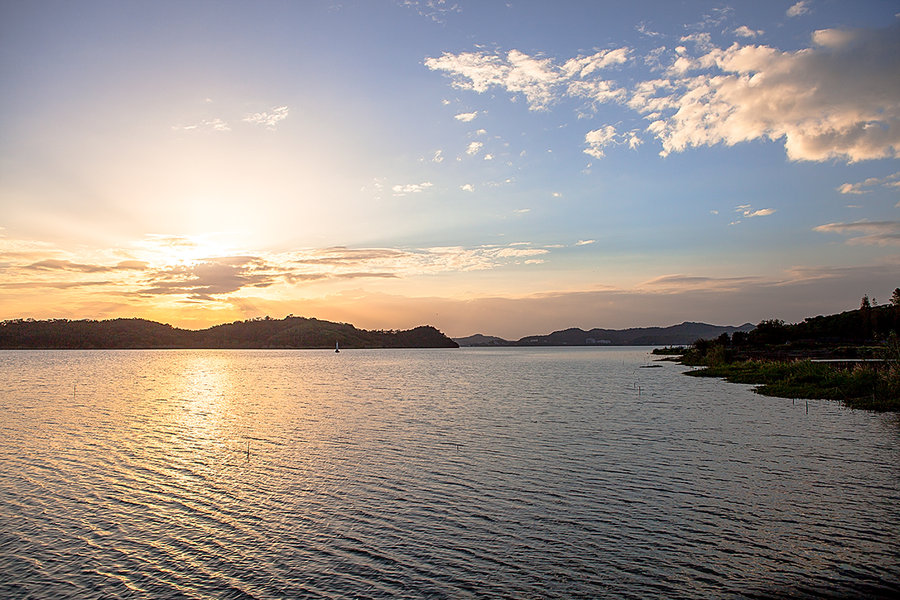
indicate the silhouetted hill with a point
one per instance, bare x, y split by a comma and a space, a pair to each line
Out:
290, 332
682, 334
482, 340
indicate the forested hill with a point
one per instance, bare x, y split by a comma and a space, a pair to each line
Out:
639, 336
290, 332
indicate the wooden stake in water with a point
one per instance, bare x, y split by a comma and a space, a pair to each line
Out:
248, 449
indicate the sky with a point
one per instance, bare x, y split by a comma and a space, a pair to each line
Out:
506, 168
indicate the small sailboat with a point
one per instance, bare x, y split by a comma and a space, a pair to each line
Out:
336, 348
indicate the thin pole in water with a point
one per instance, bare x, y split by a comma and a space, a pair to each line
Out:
807, 407
248, 449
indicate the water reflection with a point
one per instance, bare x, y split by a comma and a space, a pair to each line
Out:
431, 473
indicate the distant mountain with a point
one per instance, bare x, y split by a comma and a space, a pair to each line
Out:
482, 340
683, 334
290, 332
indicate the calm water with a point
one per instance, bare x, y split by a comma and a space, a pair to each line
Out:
432, 473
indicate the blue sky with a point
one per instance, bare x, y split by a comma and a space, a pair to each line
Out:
503, 167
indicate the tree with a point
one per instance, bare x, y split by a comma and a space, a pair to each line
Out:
865, 304
895, 297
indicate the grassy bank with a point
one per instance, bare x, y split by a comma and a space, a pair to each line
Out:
865, 387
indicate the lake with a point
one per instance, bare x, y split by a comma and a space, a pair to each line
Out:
469, 473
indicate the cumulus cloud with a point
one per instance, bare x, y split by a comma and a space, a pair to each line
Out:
411, 188
868, 233
837, 100
474, 148
438, 156
467, 187
799, 8
466, 117
269, 119
870, 184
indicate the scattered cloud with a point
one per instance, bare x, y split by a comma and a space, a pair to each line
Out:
690, 282
867, 233
763, 212
466, 117
474, 148
488, 157
599, 139
207, 124
871, 184
540, 80
411, 188
644, 29
269, 119
746, 32
211, 277
67, 265
435, 10
833, 100
585, 242
799, 8
438, 156
467, 187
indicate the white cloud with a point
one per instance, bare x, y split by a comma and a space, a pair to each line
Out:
467, 187
474, 148
213, 124
488, 157
466, 117
748, 212
438, 156
598, 139
585, 242
763, 212
522, 211
746, 32
799, 8
435, 10
869, 233
870, 184
411, 188
270, 119
556, 195
540, 80
836, 101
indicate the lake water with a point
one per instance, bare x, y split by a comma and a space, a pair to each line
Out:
470, 473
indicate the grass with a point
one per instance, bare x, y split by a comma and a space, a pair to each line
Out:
862, 387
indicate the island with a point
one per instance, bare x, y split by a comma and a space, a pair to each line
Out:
262, 332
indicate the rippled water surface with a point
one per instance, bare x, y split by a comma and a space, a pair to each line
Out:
432, 473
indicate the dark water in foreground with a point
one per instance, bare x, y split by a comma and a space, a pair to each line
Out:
432, 473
